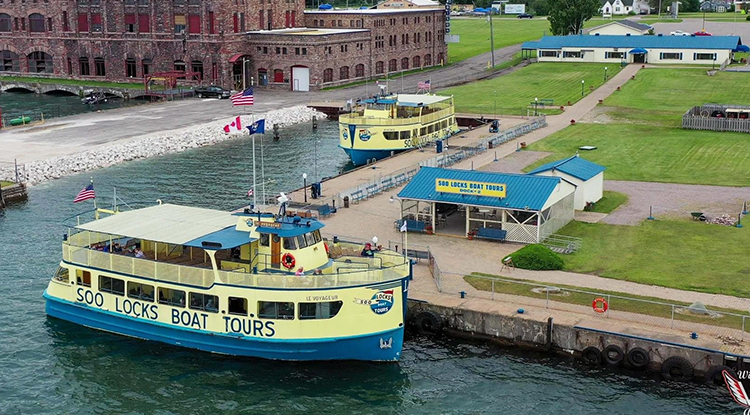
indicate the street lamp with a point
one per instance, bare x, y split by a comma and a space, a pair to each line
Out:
582, 82
605, 74
304, 185
536, 106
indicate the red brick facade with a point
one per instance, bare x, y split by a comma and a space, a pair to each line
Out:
125, 39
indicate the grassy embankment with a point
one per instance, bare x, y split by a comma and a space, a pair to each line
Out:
91, 83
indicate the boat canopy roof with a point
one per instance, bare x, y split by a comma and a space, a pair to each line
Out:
407, 100
173, 224
285, 227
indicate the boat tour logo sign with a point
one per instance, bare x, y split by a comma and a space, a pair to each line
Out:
381, 302
737, 388
466, 187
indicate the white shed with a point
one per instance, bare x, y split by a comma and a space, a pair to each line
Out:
588, 177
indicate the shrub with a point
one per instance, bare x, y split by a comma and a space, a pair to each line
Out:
748, 18
536, 257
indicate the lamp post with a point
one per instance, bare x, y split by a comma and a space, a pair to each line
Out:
536, 106
605, 74
304, 185
582, 82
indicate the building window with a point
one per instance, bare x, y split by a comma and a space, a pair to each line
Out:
427, 60
197, 66
130, 70
175, 298
140, 291
146, 66
5, 25
40, 62
235, 23
304, 51
283, 51
344, 72
212, 23
704, 56
83, 22
83, 66
404, 63
83, 278
242, 22
416, 62
65, 21
319, 311
573, 54
179, 23
278, 76
296, 51
195, 23
99, 69
278, 50
392, 65
111, 285
70, 66
275, 310
144, 23
96, 22
328, 75
549, 53
668, 55
359, 71
9, 62
180, 66
130, 22
49, 24
204, 302
237, 306
615, 55
379, 67
36, 23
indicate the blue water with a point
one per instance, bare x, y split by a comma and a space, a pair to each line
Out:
54, 367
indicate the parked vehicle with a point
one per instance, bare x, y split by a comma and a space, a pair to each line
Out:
212, 91
679, 33
524, 16
702, 33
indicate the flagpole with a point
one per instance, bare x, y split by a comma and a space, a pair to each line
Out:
263, 167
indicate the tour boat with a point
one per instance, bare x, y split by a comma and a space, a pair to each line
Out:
239, 283
385, 125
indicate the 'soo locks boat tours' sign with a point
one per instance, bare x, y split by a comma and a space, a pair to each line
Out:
470, 187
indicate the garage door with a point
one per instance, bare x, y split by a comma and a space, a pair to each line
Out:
300, 79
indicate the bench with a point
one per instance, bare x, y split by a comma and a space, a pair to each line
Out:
491, 234
412, 225
387, 183
544, 102
400, 179
372, 190
324, 211
357, 196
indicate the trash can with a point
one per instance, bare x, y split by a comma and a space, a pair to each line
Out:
439, 146
346, 201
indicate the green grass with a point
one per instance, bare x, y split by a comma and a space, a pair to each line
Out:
655, 154
652, 21
627, 304
5, 183
41, 80
610, 201
475, 35
512, 93
685, 254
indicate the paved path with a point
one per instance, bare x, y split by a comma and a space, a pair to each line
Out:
673, 200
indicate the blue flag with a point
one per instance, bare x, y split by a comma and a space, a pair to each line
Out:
257, 127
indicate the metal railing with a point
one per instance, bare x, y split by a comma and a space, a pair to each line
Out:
562, 244
361, 120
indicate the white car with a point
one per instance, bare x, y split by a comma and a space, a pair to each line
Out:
679, 33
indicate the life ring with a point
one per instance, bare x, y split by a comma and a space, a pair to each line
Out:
638, 357
677, 368
288, 261
613, 355
592, 356
428, 322
328, 250
715, 377
600, 305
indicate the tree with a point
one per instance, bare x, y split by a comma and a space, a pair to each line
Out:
690, 6
567, 16
539, 7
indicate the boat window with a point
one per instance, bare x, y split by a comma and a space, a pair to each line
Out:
423, 131
301, 241
405, 135
289, 243
443, 124
62, 274
83, 278
317, 236
319, 311
238, 306
390, 135
205, 302
140, 291
172, 297
275, 310
264, 239
430, 128
111, 285
310, 239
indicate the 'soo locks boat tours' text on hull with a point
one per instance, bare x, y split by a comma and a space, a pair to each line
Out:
238, 283
382, 126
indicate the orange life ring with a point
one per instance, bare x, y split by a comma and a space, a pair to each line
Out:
600, 305
288, 261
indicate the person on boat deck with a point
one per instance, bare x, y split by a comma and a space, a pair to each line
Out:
318, 272
369, 250
130, 251
300, 272
210, 306
106, 248
139, 253
117, 247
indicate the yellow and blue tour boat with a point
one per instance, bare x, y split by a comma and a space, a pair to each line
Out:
238, 283
382, 126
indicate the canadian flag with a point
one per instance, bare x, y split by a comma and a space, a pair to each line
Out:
233, 127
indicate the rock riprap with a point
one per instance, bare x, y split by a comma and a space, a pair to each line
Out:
153, 145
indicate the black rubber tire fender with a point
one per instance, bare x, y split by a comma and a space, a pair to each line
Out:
678, 369
428, 322
613, 355
714, 376
638, 358
592, 356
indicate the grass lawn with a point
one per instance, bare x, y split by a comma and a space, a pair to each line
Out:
512, 93
610, 201
686, 255
617, 303
475, 35
656, 154
137, 85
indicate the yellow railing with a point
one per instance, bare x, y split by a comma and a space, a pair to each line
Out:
355, 118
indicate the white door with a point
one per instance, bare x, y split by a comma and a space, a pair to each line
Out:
301, 79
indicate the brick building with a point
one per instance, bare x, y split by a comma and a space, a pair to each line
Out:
230, 42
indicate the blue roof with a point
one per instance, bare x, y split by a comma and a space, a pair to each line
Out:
523, 191
573, 166
293, 229
228, 238
653, 42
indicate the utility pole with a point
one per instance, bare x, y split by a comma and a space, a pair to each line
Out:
492, 40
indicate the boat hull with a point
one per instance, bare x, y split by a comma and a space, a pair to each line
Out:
361, 157
382, 346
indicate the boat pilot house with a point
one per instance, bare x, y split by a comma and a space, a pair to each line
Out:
513, 207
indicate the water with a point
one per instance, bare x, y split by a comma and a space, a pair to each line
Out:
52, 367
14, 104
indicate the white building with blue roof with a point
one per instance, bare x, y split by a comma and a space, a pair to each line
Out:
588, 177
635, 49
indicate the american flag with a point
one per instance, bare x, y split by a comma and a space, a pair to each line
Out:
243, 98
424, 84
85, 194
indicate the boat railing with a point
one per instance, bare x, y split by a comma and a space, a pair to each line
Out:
355, 118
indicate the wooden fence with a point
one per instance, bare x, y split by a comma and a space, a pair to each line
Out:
699, 118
